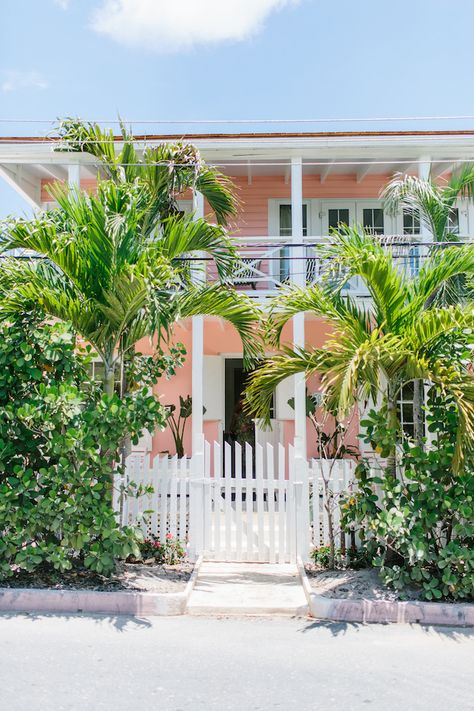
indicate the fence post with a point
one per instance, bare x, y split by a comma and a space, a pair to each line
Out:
198, 469
196, 518
302, 500
196, 498
299, 523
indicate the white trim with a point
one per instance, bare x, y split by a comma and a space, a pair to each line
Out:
13, 176
186, 206
197, 363
298, 278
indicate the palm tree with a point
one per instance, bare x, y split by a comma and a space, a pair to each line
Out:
433, 202
374, 348
103, 265
168, 169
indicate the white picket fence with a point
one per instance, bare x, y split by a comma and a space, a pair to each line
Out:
266, 506
340, 475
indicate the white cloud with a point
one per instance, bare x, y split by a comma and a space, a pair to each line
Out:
15, 80
169, 25
63, 4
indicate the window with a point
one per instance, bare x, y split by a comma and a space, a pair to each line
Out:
411, 222
285, 221
373, 220
337, 217
97, 371
406, 410
406, 407
453, 221
286, 231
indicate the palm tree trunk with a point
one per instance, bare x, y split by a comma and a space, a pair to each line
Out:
109, 380
392, 421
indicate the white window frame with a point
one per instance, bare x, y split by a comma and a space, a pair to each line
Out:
463, 208
274, 214
274, 225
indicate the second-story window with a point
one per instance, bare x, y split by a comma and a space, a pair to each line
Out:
337, 216
286, 231
285, 220
373, 220
411, 222
453, 221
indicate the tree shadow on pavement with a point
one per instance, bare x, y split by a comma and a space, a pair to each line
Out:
456, 634
122, 623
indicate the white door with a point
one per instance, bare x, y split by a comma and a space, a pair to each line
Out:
335, 213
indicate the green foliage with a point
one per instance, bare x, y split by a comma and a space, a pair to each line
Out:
116, 283
177, 424
59, 447
419, 525
322, 557
171, 551
353, 558
168, 170
375, 345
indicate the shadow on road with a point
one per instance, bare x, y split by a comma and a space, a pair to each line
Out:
122, 623
456, 634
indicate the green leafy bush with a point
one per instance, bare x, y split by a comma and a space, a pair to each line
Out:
353, 558
419, 525
60, 440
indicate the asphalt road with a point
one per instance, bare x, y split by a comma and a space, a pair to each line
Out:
77, 663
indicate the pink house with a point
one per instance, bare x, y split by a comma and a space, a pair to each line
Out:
292, 188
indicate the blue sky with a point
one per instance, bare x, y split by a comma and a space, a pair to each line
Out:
232, 59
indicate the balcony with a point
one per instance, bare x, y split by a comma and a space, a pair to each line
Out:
267, 262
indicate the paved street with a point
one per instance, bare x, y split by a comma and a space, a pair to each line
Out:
73, 663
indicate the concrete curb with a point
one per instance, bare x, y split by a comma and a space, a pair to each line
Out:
383, 611
98, 602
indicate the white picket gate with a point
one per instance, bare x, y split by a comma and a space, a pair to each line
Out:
238, 504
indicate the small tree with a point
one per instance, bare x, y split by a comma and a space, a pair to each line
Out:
59, 448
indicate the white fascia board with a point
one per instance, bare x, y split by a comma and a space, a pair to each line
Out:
243, 150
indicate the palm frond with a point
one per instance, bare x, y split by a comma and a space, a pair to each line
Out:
422, 197
231, 306
264, 379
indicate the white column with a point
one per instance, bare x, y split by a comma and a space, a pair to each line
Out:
424, 169
198, 354
74, 175
298, 277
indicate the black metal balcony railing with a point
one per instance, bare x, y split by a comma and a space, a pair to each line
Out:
268, 263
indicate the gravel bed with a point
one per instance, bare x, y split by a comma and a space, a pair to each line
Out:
128, 576
355, 585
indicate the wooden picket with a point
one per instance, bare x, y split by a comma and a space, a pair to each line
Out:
340, 475
270, 510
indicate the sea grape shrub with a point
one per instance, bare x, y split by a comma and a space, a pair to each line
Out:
419, 525
60, 439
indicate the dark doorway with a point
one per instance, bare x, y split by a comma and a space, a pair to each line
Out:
238, 426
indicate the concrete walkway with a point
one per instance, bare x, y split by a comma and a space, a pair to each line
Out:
248, 589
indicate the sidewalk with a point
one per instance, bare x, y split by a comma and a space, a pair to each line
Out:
248, 589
